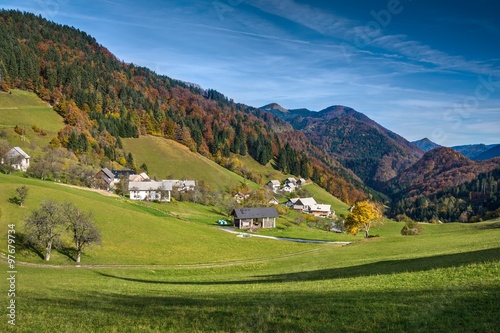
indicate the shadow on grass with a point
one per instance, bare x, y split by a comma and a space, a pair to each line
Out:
68, 252
376, 268
23, 244
15, 200
491, 225
428, 310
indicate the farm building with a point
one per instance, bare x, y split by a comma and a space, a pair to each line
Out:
320, 210
104, 179
274, 185
247, 218
150, 190
304, 204
17, 158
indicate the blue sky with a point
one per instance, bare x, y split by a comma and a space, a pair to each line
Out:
419, 69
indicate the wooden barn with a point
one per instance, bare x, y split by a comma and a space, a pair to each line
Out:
249, 218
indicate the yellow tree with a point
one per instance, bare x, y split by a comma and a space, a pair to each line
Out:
362, 217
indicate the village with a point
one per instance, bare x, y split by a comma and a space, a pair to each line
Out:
141, 187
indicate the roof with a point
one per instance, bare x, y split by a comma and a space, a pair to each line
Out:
17, 151
275, 182
138, 178
189, 183
321, 208
293, 200
254, 213
108, 173
124, 173
291, 179
181, 183
144, 175
306, 202
150, 186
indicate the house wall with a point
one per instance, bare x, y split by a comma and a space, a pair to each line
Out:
22, 165
148, 195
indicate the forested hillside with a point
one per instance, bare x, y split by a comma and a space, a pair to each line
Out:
102, 100
446, 185
371, 151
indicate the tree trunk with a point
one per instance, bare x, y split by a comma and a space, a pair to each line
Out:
78, 255
47, 251
366, 233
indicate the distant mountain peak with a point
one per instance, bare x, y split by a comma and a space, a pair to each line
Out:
273, 107
425, 144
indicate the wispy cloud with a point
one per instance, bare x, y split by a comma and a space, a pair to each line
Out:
348, 31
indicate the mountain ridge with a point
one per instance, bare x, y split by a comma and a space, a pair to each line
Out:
373, 152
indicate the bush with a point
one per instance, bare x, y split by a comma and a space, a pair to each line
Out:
411, 228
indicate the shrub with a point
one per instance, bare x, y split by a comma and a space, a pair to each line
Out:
411, 228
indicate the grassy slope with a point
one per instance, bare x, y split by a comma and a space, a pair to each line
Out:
136, 234
166, 158
322, 196
25, 110
387, 285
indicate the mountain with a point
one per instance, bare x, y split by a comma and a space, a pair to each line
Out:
103, 100
490, 153
444, 184
274, 107
472, 151
372, 152
425, 144
439, 168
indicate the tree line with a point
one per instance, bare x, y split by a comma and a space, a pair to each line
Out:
472, 201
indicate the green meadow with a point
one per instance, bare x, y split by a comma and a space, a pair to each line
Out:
170, 159
25, 109
168, 268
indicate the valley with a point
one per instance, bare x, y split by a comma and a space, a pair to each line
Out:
84, 126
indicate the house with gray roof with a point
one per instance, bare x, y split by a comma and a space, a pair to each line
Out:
150, 190
304, 204
104, 179
251, 218
17, 159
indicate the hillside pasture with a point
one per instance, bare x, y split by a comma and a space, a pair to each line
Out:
25, 109
167, 268
169, 159
391, 284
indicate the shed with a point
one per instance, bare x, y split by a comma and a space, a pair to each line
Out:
246, 218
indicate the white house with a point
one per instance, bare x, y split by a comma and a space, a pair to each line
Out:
291, 180
290, 187
320, 210
17, 159
273, 201
150, 190
274, 185
304, 204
